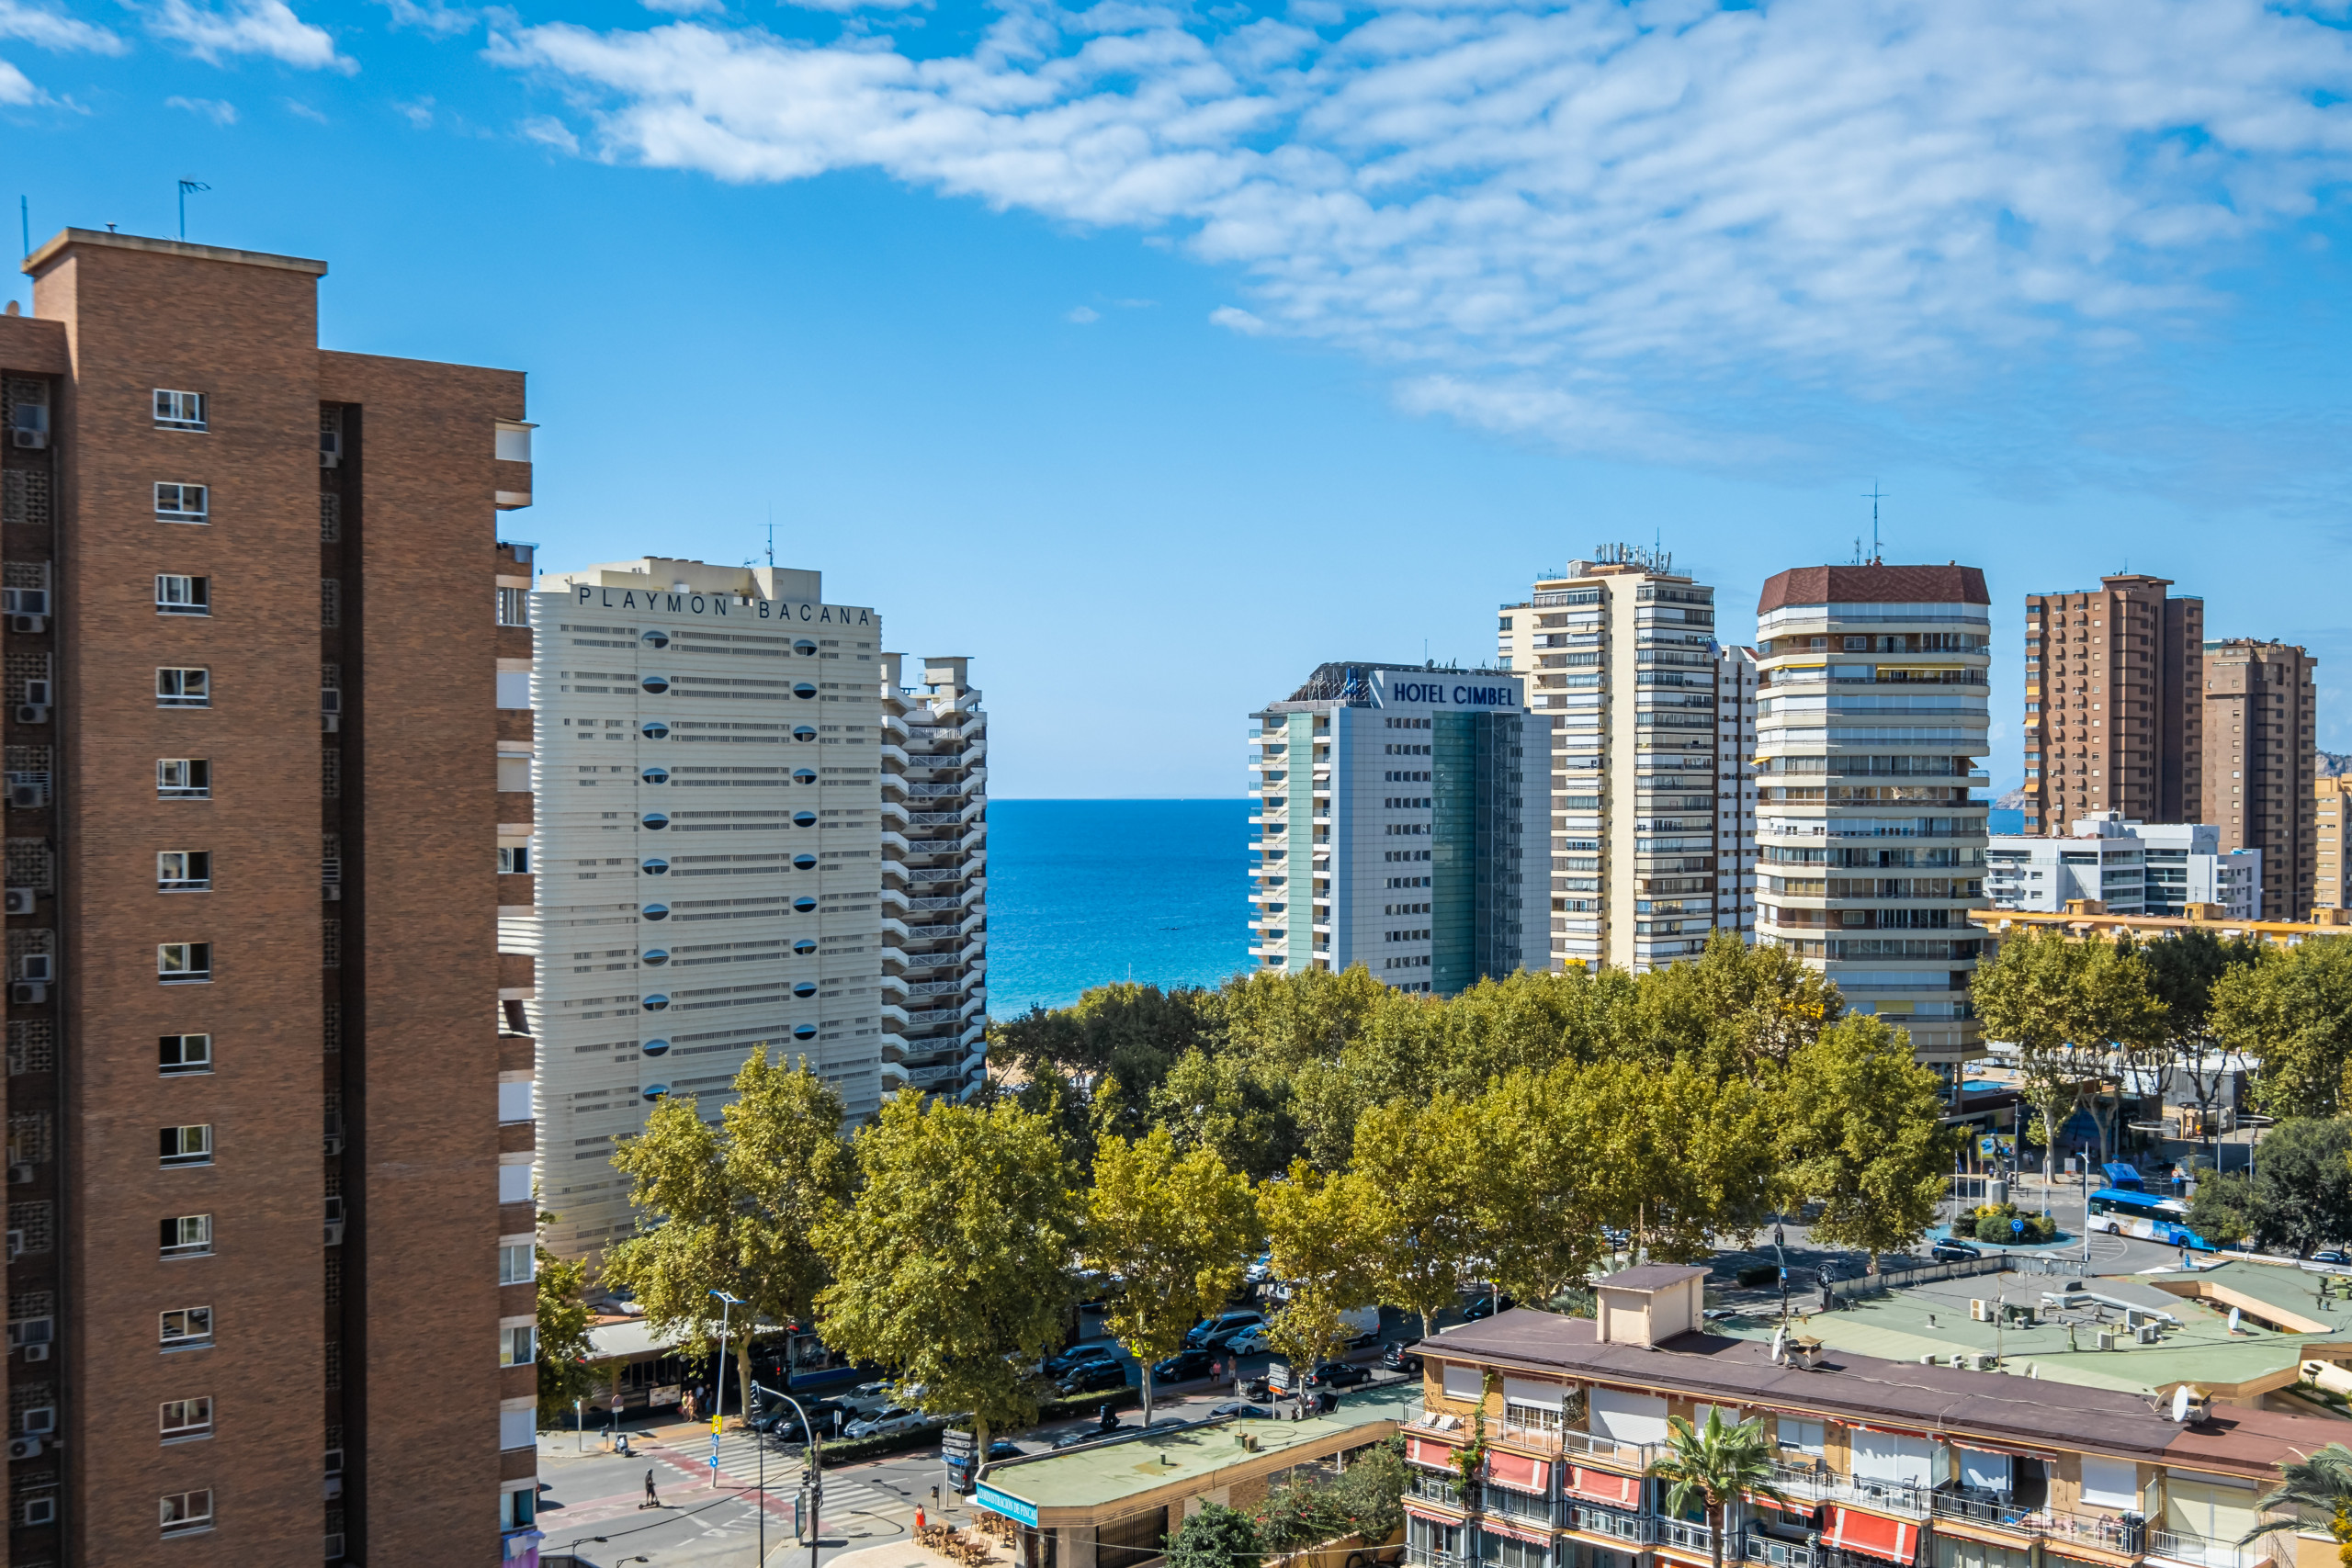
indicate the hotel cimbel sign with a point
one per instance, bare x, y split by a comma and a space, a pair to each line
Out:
1442, 688
717, 606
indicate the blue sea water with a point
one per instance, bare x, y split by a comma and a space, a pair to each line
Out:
2009, 821
1085, 892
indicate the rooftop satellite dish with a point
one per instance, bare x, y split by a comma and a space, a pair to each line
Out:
2181, 1403
2234, 1320
1780, 1344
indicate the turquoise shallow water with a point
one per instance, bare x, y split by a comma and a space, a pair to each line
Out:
1084, 892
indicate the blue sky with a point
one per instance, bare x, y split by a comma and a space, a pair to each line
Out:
1152, 354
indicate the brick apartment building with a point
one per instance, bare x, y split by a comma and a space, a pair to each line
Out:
2261, 768
259, 1181
2114, 705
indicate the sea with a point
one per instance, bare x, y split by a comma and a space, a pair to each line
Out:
1085, 892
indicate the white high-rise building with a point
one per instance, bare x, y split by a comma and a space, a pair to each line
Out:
934, 880
1649, 722
707, 845
1399, 826
2126, 867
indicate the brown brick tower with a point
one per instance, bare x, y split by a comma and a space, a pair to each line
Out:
2261, 768
2115, 704
254, 1078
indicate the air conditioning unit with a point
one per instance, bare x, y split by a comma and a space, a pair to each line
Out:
23, 1447
330, 723
2148, 1334
17, 901
28, 624
333, 1487
28, 993
30, 440
32, 713
329, 890
35, 1352
334, 1143
2107, 1340
330, 449
335, 1233
28, 791
20, 1173
1979, 1311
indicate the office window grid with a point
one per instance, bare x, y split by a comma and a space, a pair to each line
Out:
30, 864
32, 1046
329, 517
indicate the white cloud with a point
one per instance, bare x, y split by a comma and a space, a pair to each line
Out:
1235, 319
266, 27
418, 114
550, 132
1594, 224
1084, 316
55, 31
298, 108
432, 17
217, 110
15, 87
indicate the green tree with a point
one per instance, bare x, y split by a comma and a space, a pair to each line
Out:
2317, 1490
564, 1345
1741, 1009
2291, 1008
1542, 1197
952, 1269
2303, 1184
1175, 1231
1315, 1231
1216, 1537
1699, 1153
1713, 1464
2183, 969
1862, 1133
2225, 1210
1419, 1180
2072, 1007
1226, 1105
1370, 1492
730, 1208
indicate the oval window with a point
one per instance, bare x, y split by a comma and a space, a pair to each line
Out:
654, 1003
804, 775
805, 691
654, 865
803, 947
657, 1047
806, 988
654, 684
655, 821
804, 862
804, 820
804, 732
655, 911
804, 903
657, 637
655, 775
654, 729
804, 1032
654, 957
806, 649
656, 1090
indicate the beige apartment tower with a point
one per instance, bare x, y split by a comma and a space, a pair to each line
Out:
2114, 705
2262, 723
1624, 671
2334, 871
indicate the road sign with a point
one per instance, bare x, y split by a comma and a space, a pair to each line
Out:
956, 1442
1278, 1376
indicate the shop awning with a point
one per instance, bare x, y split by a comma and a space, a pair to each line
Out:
1603, 1486
1897, 1541
1430, 1452
1519, 1473
1496, 1526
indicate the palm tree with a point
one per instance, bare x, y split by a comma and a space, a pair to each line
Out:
1715, 1463
2320, 1484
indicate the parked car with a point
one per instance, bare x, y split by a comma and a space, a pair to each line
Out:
1338, 1374
1242, 1408
1952, 1252
887, 1422
2335, 1255
1396, 1359
867, 1398
1250, 1342
1213, 1333
1077, 1356
1185, 1366
1487, 1306
1093, 1376
999, 1449
783, 1422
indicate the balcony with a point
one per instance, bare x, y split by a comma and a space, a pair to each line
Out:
1822, 1484
1682, 1535
1629, 1456
1432, 1487
2177, 1547
1590, 1518
1771, 1553
1989, 1512
1503, 1503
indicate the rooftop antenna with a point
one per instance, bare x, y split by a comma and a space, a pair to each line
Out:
186, 185
1878, 556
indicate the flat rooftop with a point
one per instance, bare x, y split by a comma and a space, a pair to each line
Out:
1096, 1478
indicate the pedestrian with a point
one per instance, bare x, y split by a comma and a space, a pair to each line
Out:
652, 1498
686, 1405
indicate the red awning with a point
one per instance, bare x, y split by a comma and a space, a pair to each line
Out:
1494, 1526
1603, 1486
1897, 1541
1430, 1452
1422, 1512
1519, 1473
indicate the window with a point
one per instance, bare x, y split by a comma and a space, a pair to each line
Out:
182, 1418
1797, 1436
187, 1236
185, 1513
184, 870
513, 607
514, 688
514, 442
517, 1264
181, 503
185, 1146
518, 1346
184, 1328
515, 859
177, 1053
182, 778
518, 1510
183, 688
180, 962
182, 595
179, 410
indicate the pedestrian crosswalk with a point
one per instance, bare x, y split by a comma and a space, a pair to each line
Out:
740, 1459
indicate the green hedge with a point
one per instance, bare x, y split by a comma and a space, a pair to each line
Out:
1992, 1223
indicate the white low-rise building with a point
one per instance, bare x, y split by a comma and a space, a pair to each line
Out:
2127, 868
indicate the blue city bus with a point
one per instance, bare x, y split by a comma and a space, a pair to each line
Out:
2145, 1215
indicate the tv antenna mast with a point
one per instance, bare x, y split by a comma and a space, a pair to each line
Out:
1877, 556
186, 186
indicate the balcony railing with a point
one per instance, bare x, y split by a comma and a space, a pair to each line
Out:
1684, 1535
1507, 1503
1422, 1557
1773, 1554
1822, 1484
1636, 1456
2182, 1548
1996, 1512
1431, 1488
1546, 1438
1614, 1523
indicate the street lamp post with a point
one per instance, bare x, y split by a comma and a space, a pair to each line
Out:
816, 1453
719, 1386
